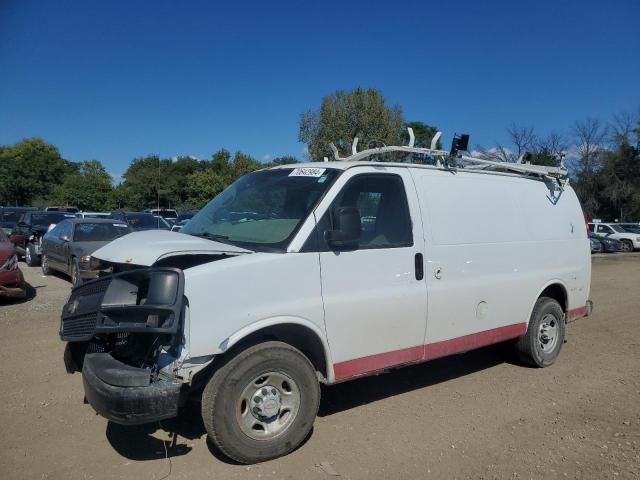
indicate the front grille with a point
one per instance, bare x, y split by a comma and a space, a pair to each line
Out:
91, 288
79, 328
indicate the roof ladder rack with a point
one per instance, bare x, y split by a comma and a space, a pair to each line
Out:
449, 160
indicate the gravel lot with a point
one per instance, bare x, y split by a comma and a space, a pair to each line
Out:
478, 415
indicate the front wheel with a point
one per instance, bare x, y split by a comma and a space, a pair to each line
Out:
76, 279
542, 343
44, 263
627, 246
262, 403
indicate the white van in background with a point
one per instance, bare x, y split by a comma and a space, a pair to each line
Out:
630, 241
321, 273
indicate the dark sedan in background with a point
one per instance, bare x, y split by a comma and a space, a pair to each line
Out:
609, 245
67, 248
27, 233
10, 216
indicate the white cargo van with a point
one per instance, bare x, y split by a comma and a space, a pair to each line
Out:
321, 273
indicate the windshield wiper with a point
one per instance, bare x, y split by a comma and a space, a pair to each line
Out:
210, 236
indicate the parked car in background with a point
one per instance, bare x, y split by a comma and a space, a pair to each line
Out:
168, 214
163, 223
141, 220
183, 218
596, 245
93, 215
28, 232
186, 215
11, 280
9, 216
176, 227
67, 247
630, 241
609, 245
61, 209
631, 227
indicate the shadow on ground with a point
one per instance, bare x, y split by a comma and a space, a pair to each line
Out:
139, 442
30, 294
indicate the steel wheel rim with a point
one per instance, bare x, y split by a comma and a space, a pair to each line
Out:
268, 405
548, 333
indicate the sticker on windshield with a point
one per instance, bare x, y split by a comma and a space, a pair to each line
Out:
307, 172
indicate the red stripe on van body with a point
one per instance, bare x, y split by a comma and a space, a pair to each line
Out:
576, 313
376, 363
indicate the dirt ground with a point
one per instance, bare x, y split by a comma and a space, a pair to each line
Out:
478, 415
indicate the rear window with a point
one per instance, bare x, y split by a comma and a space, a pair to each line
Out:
143, 221
99, 232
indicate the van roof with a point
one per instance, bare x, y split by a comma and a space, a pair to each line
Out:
345, 165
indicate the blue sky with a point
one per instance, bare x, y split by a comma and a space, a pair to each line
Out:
120, 79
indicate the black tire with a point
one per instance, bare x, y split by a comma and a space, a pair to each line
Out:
44, 263
30, 256
76, 279
532, 347
222, 402
627, 246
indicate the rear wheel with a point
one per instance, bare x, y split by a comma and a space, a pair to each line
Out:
30, 255
542, 343
262, 403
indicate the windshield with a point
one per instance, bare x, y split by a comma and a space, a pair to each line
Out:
262, 210
99, 232
46, 219
618, 228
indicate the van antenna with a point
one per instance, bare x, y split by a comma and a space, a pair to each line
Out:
354, 145
412, 137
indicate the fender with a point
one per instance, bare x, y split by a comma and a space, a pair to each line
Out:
546, 285
281, 320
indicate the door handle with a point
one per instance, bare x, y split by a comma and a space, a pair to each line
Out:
419, 264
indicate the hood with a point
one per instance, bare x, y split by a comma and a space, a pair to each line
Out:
147, 247
87, 248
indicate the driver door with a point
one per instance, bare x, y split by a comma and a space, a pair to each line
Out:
375, 295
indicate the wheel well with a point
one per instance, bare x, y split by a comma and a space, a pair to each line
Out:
298, 336
558, 293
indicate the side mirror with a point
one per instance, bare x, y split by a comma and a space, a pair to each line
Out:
347, 234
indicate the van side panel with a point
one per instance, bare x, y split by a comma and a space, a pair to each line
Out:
495, 242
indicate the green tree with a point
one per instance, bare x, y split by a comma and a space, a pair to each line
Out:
29, 170
345, 115
148, 182
88, 189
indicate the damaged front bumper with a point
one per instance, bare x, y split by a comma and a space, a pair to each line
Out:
127, 395
123, 332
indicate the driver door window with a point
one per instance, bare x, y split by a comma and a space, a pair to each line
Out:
385, 221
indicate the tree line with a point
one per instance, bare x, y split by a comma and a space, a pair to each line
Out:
603, 160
